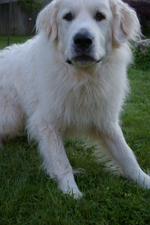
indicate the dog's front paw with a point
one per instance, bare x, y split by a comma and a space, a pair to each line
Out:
69, 186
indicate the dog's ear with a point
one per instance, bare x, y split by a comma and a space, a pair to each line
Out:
46, 20
126, 25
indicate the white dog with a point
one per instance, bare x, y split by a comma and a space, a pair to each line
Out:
71, 79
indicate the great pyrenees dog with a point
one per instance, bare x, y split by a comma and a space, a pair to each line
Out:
70, 79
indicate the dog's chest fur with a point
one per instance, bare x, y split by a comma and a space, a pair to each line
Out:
80, 104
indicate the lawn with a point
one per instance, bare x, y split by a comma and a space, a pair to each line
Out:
13, 39
28, 196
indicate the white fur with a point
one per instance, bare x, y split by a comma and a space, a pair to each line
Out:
39, 91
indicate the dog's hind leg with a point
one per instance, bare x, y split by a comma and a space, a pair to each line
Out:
55, 160
11, 119
115, 144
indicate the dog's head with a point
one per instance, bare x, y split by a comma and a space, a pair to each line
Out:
87, 30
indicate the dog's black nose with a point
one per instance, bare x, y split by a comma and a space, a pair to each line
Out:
83, 40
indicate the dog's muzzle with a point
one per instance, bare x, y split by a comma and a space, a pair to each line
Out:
82, 49
82, 42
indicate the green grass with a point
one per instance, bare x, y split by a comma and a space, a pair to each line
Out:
28, 196
13, 39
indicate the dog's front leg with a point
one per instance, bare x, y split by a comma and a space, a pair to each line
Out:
55, 160
114, 142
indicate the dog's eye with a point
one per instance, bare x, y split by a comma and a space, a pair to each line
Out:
68, 17
99, 16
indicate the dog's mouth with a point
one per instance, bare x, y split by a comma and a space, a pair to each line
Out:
83, 60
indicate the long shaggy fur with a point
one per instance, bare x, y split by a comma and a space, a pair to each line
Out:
50, 90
